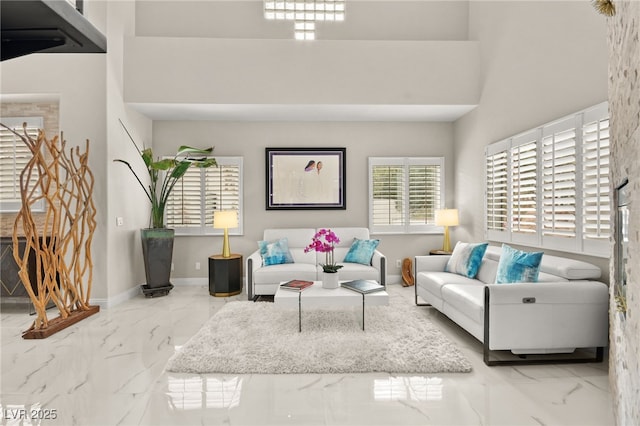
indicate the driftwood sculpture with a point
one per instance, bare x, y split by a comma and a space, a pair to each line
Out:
61, 244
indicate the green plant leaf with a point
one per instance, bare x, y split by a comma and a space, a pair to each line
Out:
165, 164
147, 156
173, 168
180, 169
186, 150
203, 164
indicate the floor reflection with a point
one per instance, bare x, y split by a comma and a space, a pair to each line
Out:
197, 392
408, 389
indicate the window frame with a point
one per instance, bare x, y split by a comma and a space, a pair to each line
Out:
16, 123
543, 239
405, 163
204, 229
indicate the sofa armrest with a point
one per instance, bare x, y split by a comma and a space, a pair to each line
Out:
379, 261
554, 317
429, 263
254, 261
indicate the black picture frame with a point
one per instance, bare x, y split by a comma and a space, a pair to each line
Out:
306, 178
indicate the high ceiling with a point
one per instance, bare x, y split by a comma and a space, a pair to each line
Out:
370, 21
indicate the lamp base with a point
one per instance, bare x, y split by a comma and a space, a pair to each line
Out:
226, 249
446, 245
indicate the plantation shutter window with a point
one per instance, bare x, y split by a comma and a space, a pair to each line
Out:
596, 197
524, 187
559, 184
222, 190
388, 208
424, 193
14, 157
404, 194
549, 187
184, 207
496, 192
200, 192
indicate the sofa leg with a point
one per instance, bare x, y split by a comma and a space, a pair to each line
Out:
415, 291
415, 285
526, 360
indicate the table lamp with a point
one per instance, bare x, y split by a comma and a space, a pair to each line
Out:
447, 218
225, 219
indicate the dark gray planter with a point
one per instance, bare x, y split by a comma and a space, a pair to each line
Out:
157, 250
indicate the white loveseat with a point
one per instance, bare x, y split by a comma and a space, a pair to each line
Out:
563, 311
264, 280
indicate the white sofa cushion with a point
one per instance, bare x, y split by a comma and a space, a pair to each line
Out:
433, 282
569, 268
488, 271
357, 271
544, 277
468, 299
285, 272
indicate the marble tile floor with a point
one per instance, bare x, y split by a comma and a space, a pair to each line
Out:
109, 370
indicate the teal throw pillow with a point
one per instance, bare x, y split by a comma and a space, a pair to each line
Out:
275, 252
516, 266
466, 259
361, 251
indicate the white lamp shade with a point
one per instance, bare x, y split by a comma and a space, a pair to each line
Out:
447, 217
225, 219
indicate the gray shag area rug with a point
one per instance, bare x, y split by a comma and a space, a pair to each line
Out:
262, 338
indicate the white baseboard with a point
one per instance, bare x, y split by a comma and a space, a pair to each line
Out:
117, 299
394, 279
134, 291
202, 281
190, 281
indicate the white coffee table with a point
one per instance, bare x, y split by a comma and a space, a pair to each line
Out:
318, 297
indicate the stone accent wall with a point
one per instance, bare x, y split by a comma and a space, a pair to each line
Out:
624, 105
49, 111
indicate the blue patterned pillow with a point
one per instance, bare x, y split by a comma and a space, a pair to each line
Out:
517, 266
275, 252
361, 251
466, 259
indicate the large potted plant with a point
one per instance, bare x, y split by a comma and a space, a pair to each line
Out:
157, 241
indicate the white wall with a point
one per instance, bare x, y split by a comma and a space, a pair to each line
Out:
78, 81
250, 140
540, 61
351, 72
126, 199
89, 87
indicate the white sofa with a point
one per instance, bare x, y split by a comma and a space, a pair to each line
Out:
563, 311
264, 280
